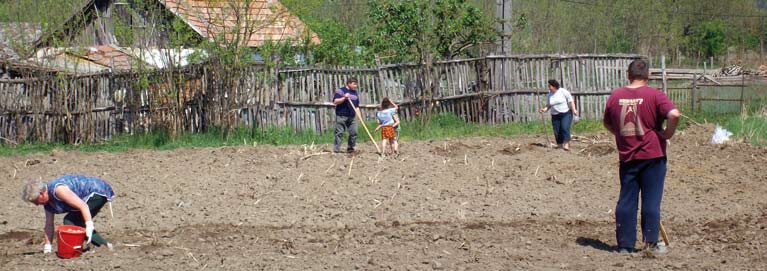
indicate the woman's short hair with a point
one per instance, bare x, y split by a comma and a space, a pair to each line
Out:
31, 190
554, 83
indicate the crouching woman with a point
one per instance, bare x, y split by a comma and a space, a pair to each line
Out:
80, 197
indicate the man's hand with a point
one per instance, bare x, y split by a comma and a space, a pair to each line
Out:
346, 95
666, 134
672, 119
542, 110
576, 113
47, 249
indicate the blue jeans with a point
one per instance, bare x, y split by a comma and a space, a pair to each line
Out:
645, 177
561, 124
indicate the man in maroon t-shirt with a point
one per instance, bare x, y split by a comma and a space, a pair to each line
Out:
635, 115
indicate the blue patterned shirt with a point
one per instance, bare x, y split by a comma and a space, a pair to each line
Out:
83, 186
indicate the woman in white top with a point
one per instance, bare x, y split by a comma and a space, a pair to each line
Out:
562, 107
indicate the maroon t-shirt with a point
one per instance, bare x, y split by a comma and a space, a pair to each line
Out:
636, 116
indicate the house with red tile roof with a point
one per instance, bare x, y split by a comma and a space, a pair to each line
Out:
150, 23
119, 35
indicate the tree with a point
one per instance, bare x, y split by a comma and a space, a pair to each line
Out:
408, 30
424, 31
339, 45
709, 38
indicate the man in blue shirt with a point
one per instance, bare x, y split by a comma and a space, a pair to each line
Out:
345, 115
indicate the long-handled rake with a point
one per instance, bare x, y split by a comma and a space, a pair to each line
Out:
362, 121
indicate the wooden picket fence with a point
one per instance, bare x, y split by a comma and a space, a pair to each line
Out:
492, 89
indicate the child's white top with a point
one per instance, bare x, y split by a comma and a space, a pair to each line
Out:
386, 116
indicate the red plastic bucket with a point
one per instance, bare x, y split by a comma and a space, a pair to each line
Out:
70, 241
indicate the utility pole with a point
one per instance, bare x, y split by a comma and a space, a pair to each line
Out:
503, 13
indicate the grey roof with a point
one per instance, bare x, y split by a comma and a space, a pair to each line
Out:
15, 37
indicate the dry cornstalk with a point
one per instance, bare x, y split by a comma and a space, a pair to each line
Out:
399, 186
331, 166
487, 186
350, 167
375, 178
9, 141
193, 258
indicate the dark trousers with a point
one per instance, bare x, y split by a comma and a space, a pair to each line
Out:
645, 177
76, 218
561, 124
344, 123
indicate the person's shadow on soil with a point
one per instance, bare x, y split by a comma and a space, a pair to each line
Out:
594, 243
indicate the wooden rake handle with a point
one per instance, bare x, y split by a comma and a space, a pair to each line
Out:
545, 133
362, 121
663, 234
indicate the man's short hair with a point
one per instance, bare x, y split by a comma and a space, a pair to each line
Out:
351, 80
639, 70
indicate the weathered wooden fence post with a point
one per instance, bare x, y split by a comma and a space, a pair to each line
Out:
693, 92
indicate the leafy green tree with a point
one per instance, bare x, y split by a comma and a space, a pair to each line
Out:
339, 45
710, 38
408, 30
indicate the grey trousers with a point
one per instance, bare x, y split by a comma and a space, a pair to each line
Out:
344, 123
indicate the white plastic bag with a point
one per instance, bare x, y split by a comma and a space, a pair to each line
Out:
720, 136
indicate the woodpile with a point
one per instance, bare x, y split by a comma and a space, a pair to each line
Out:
736, 70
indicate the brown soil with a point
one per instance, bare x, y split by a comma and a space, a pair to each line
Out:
481, 203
